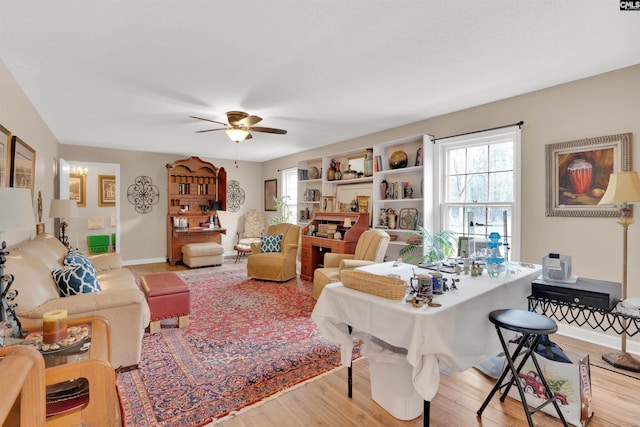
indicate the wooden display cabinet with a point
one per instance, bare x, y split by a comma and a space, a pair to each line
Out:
314, 247
195, 188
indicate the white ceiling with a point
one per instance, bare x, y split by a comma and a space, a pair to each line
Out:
128, 74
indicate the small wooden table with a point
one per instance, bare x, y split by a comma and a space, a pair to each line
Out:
93, 365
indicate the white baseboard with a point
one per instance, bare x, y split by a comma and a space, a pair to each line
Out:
611, 341
144, 261
227, 254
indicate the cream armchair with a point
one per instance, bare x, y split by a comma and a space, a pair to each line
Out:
253, 229
371, 248
276, 266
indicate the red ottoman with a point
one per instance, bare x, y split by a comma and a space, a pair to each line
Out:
168, 296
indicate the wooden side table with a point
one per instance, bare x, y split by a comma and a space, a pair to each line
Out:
101, 406
94, 365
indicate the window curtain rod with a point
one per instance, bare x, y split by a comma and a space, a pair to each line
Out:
519, 124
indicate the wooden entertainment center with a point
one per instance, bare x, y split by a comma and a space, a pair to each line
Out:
197, 190
314, 247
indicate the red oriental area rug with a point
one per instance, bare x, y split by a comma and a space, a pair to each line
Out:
247, 340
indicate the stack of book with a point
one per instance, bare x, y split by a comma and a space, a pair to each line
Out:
313, 195
327, 230
397, 189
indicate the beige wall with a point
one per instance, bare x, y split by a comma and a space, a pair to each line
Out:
143, 236
18, 115
602, 105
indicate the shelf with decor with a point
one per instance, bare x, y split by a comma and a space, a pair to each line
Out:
335, 183
309, 188
347, 181
401, 200
196, 190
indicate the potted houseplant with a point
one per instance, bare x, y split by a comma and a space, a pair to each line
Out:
281, 206
439, 246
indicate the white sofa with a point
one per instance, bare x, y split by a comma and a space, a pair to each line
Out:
120, 301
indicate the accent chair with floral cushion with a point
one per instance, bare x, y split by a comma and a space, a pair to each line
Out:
274, 256
251, 233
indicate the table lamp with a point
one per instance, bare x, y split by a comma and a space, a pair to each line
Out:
215, 207
16, 215
63, 209
623, 188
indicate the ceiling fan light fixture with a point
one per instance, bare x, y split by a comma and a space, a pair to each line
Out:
237, 134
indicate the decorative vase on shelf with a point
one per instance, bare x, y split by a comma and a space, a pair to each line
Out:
314, 173
383, 217
391, 219
368, 164
338, 173
331, 172
383, 189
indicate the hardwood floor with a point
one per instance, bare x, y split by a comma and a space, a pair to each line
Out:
324, 401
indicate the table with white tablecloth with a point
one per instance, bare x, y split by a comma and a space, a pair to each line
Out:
457, 334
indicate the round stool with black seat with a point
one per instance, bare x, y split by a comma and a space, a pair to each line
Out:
532, 326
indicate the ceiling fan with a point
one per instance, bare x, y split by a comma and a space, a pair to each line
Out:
240, 126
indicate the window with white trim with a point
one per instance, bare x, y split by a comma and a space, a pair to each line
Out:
289, 178
480, 189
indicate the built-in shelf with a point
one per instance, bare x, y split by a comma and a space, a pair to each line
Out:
337, 195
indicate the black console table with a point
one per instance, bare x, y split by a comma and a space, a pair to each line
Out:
582, 315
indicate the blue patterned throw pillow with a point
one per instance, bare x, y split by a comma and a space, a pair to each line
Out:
75, 280
270, 243
76, 258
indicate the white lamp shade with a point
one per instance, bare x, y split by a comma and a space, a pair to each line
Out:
63, 209
624, 187
237, 134
17, 209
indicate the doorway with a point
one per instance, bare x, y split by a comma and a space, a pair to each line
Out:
96, 188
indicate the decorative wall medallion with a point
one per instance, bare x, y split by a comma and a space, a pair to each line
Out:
142, 194
235, 196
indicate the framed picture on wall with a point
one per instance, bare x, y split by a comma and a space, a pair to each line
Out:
106, 190
5, 155
270, 194
23, 164
78, 189
578, 173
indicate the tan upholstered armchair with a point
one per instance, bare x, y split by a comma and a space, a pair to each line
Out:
371, 248
278, 266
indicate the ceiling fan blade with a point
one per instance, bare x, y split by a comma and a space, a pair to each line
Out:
234, 117
209, 130
250, 120
268, 130
208, 120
